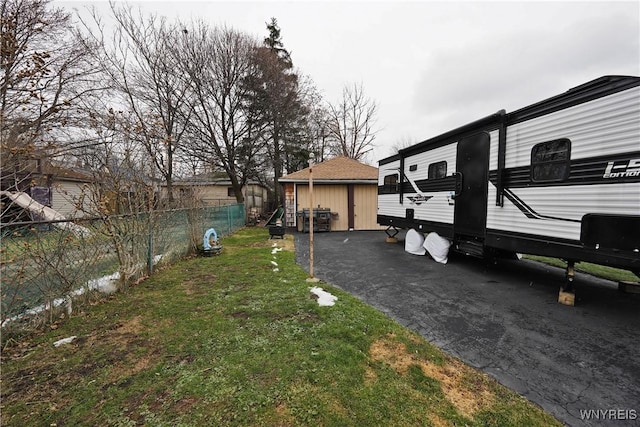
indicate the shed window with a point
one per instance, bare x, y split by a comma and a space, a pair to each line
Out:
390, 184
550, 161
437, 170
230, 192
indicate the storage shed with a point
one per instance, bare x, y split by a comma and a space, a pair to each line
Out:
343, 186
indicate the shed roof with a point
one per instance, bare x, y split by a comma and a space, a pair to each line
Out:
337, 169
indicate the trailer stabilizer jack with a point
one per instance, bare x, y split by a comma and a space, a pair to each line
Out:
567, 295
391, 234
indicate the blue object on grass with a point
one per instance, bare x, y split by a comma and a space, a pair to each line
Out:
206, 241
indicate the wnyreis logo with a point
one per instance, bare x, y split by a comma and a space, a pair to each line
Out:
608, 414
419, 199
622, 169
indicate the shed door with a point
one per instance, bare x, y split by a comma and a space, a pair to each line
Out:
365, 207
472, 164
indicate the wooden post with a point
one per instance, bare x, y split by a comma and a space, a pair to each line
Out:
311, 277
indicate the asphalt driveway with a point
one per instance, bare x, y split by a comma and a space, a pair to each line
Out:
575, 362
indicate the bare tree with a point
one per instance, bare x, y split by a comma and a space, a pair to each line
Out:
215, 61
351, 123
141, 63
46, 73
317, 121
402, 143
121, 193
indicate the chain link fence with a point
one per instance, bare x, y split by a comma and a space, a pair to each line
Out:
49, 267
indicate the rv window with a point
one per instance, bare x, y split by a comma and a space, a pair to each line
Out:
390, 184
550, 161
437, 170
413, 168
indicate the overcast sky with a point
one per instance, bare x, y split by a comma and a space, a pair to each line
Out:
433, 66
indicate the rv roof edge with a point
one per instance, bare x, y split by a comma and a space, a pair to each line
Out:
496, 117
577, 94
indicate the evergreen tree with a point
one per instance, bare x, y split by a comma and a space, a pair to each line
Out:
274, 102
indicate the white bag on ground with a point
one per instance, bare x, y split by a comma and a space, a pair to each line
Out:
413, 243
438, 247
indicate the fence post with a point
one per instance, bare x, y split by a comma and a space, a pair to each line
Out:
150, 246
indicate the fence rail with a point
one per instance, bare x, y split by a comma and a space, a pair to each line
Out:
43, 267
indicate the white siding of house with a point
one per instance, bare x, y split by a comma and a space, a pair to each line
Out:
65, 195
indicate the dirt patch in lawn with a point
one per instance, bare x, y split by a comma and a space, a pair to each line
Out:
468, 397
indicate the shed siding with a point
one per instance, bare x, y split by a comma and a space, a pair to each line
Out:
335, 197
366, 207
332, 197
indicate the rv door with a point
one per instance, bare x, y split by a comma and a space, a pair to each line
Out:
472, 170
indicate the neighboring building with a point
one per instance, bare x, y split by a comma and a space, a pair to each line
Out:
68, 189
348, 188
57, 187
218, 192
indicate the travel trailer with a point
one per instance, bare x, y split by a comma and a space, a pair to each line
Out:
558, 178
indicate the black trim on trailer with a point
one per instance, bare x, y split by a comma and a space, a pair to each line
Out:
528, 211
593, 170
603, 86
443, 229
560, 248
440, 184
484, 124
621, 232
502, 149
389, 160
401, 179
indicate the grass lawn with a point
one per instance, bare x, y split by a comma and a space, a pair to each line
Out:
609, 273
239, 339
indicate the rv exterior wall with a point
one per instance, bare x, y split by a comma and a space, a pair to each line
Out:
604, 127
566, 157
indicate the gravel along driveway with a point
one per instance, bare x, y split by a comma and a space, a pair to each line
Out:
581, 364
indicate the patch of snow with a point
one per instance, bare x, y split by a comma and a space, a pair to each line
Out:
105, 284
275, 270
275, 251
324, 297
274, 263
64, 341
